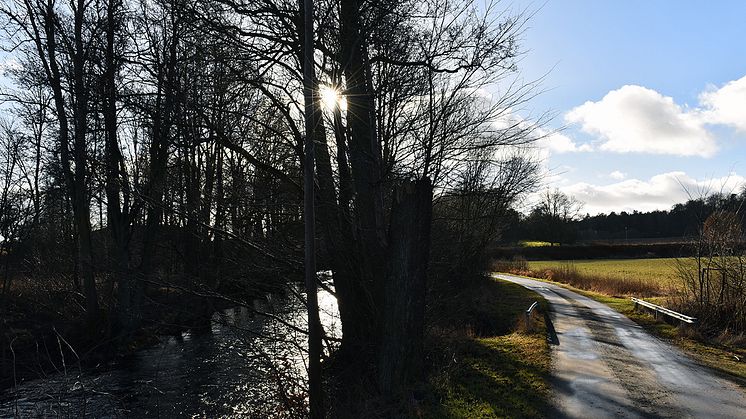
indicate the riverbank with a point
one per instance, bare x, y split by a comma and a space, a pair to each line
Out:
485, 362
482, 361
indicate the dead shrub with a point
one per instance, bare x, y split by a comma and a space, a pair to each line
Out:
728, 338
518, 263
610, 285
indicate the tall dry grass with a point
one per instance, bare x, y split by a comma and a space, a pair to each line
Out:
569, 274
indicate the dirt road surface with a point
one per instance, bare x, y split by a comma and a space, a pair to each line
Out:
607, 366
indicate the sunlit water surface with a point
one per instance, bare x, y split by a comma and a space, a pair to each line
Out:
240, 369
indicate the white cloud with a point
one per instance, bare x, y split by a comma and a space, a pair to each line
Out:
660, 192
616, 174
551, 140
560, 143
637, 119
726, 105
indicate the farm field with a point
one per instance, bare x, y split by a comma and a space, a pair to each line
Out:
661, 271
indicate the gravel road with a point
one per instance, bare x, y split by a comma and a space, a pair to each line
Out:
605, 365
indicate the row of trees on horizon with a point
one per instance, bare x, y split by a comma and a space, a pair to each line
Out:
558, 219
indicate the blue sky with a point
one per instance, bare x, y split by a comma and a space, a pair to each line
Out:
662, 118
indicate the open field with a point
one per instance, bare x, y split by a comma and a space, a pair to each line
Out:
642, 278
660, 271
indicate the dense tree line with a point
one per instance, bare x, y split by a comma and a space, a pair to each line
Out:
556, 219
154, 143
681, 221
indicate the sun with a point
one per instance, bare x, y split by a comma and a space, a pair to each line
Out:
331, 98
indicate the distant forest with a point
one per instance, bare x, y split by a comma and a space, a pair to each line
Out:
681, 221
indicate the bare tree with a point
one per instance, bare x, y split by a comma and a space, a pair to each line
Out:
62, 45
552, 218
714, 282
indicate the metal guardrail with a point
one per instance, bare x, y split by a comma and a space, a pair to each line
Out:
659, 309
528, 314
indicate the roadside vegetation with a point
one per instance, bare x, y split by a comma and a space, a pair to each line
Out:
724, 353
529, 243
485, 362
711, 341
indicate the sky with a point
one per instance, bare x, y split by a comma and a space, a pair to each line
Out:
648, 98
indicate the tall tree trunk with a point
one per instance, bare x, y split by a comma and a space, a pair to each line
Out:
387, 294
217, 249
400, 356
129, 298
46, 46
83, 223
364, 294
81, 203
311, 115
158, 152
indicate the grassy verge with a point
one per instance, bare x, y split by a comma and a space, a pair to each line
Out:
727, 360
485, 362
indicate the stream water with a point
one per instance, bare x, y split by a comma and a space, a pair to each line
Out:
247, 365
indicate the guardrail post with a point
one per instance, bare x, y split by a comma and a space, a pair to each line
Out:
529, 325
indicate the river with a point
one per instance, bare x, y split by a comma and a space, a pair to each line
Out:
247, 365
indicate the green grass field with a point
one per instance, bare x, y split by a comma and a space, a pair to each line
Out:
662, 271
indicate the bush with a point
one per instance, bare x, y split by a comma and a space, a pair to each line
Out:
715, 292
517, 264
